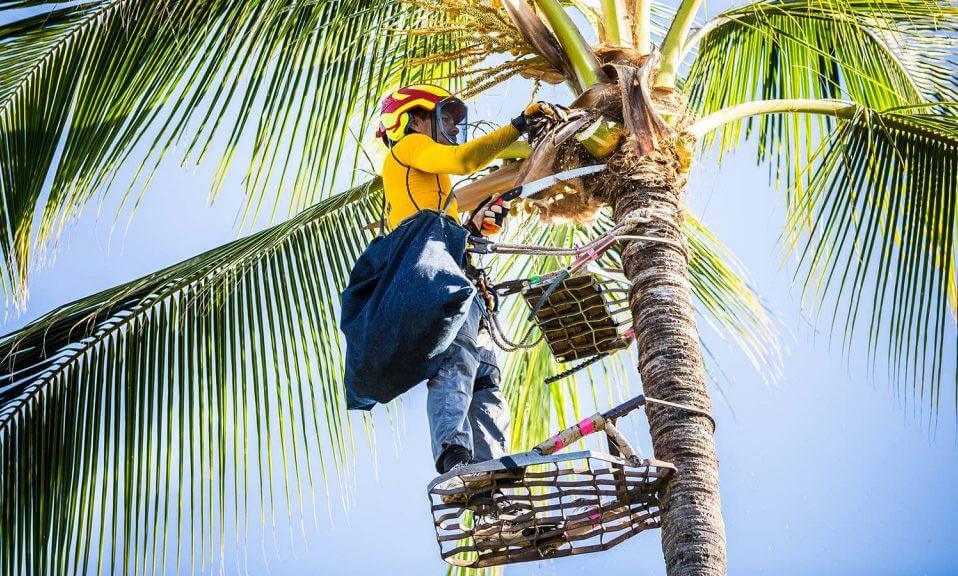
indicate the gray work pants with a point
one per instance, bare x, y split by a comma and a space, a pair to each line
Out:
464, 404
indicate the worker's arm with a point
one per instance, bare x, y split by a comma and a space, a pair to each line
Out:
423, 153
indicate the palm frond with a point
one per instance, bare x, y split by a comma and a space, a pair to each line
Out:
878, 53
875, 231
535, 406
862, 50
728, 301
137, 425
86, 86
142, 398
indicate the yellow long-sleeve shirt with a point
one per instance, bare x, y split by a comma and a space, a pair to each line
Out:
416, 171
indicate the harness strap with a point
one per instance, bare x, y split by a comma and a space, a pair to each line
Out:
408, 170
441, 205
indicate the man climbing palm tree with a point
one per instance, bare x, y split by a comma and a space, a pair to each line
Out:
444, 341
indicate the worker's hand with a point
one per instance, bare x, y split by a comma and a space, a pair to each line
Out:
540, 109
536, 109
488, 219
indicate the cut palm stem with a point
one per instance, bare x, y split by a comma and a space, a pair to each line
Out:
674, 42
585, 65
518, 150
642, 32
615, 23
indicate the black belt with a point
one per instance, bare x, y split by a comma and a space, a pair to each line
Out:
484, 382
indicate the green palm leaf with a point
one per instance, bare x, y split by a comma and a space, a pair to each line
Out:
125, 416
725, 299
872, 216
728, 302
83, 86
863, 50
879, 53
876, 232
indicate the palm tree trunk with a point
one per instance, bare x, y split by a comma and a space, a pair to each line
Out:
670, 363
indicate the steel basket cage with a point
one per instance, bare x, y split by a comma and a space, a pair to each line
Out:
541, 504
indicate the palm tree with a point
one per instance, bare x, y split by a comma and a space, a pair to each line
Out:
138, 399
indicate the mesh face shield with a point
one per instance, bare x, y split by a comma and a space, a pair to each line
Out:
452, 121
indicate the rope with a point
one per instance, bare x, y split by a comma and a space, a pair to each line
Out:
692, 409
532, 250
491, 317
580, 366
672, 243
541, 250
645, 216
614, 232
500, 339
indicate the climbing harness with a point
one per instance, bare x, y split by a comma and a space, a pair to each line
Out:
541, 504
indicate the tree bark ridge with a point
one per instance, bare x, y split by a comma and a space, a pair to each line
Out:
670, 363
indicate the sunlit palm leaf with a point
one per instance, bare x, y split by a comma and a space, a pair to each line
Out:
877, 230
535, 406
880, 53
854, 49
137, 425
728, 302
719, 283
82, 86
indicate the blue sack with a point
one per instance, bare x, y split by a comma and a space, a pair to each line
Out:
406, 300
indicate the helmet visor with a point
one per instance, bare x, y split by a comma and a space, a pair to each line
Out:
452, 121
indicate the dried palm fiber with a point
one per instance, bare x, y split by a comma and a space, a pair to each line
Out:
648, 153
473, 31
535, 32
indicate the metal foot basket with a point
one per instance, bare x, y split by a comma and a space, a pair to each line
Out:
583, 316
539, 504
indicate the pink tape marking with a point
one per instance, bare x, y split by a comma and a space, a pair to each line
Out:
587, 426
559, 442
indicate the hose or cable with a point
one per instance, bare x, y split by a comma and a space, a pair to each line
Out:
541, 250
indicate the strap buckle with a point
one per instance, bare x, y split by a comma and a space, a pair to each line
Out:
480, 245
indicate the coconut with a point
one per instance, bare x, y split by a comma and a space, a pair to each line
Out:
564, 145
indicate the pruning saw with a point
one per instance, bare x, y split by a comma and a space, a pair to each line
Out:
534, 187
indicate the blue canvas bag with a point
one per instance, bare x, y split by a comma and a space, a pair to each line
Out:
406, 300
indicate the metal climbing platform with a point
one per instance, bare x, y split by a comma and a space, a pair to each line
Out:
541, 504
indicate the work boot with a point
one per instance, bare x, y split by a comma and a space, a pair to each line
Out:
473, 482
454, 455
453, 458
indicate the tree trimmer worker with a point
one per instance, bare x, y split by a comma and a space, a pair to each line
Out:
420, 269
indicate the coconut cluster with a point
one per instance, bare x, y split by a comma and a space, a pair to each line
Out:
557, 149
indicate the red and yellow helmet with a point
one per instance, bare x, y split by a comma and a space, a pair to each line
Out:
394, 115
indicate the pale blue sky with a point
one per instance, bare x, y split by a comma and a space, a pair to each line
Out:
825, 472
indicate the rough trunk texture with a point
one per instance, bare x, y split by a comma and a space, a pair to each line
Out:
670, 363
